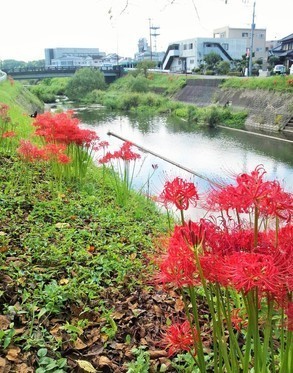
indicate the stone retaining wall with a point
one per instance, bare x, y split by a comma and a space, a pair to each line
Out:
266, 110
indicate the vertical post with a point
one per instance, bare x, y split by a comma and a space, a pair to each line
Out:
151, 51
251, 42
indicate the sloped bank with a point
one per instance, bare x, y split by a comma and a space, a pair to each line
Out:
267, 110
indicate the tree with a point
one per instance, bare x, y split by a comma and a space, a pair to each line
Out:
145, 65
83, 82
212, 59
223, 67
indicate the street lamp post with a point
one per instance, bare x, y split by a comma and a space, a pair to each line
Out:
251, 42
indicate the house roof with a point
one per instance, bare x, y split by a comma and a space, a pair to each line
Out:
287, 38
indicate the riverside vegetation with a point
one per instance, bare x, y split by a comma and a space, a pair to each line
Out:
95, 282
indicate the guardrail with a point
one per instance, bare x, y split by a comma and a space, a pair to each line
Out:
3, 76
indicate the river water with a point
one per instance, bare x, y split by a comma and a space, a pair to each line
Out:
212, 154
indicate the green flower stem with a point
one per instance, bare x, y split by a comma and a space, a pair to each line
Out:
252, 297
217, 329
234, 347
198, 345
267, 335
255, 226
248, 336
282, 338
182, 217
287, 361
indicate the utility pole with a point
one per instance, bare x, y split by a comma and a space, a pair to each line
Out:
151, 48
251, 42
153, 33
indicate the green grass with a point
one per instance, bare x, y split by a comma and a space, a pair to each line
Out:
68, 253
273, 83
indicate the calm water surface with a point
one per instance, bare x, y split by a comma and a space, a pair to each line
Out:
213, 153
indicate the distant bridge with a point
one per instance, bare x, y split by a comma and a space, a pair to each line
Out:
111, 73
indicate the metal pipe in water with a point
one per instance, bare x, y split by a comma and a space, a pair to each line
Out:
109, 133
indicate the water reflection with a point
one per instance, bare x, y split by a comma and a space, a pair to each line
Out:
213, 153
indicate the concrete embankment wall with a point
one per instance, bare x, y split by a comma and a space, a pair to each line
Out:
3, 76
266, 109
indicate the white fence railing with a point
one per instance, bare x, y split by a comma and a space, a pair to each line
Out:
3, 76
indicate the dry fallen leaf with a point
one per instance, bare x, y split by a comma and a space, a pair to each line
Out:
4, 322
86, 366
13, 354
62, 225
2, 364
79, 344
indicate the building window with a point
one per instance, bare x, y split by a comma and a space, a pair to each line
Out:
185, 47
245, 34
191, 46
225, 46
191, 62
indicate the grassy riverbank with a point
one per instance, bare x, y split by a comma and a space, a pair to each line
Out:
78, 250
74, 263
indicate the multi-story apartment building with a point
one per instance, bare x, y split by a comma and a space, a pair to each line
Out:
259, 40
186, 55
77, 57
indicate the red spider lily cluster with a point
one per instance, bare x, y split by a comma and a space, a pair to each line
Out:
64, 142
62, 128
50, 152
251, 193
125, 153
231, 253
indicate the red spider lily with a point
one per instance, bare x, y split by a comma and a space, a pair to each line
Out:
63, 128
50, 152
8, 134
4, 117
180, 337
224, 199
277, 202
213, 268
102, 145
236, 320
30, 152
125, 153
178, 265
252, 188
248, 271
107, 158
180, 193
252, 191
56, 152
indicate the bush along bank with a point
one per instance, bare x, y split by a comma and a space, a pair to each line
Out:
152, 94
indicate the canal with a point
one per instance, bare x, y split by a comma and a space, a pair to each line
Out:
214, 153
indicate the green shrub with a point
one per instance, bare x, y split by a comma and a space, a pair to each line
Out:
139, 84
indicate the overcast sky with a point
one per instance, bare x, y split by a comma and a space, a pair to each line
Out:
27, 27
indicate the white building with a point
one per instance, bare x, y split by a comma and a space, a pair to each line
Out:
258, 42
77, 57
188, 54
